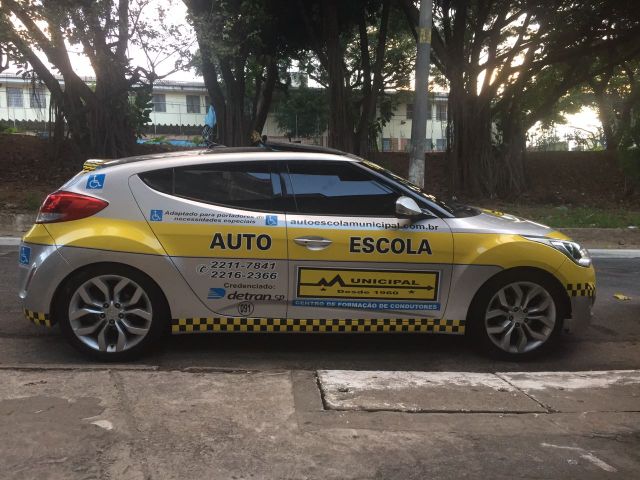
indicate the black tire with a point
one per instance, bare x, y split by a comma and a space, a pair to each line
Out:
477, 327
160, 313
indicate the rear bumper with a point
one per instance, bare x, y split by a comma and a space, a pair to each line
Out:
39, 275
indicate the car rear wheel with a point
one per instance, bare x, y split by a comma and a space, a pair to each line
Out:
517, 314
111, 312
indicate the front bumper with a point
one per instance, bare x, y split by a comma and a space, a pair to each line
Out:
581, 312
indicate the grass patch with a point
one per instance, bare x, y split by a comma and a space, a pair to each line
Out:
575, 217
32, 201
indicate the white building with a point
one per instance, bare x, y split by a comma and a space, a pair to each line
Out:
179, 109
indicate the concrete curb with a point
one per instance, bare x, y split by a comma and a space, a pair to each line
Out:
9, 241
614, 253
499, 392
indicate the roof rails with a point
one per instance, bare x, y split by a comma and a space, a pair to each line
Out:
281, 147
299, 147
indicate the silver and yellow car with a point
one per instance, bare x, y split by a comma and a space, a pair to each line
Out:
288, 239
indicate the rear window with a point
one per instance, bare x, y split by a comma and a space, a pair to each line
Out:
243, 185
160, 180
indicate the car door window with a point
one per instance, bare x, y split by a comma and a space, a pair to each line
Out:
339, 188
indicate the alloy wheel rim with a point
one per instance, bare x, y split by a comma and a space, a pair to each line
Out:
520, 317
110, 313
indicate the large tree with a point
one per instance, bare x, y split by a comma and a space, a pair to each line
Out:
239, 54
98, 114
507, 63
356, 50
302, 112
615, 93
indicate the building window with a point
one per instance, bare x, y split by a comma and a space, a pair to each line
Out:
441, 111
193, 103
429, 111
37, 98
14, 97
409, 111
159, 102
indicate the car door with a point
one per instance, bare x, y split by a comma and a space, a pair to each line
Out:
221, 226
351, 257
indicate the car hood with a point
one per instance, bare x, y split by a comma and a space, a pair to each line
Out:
491, 221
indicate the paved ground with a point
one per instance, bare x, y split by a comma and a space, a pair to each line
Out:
256, 406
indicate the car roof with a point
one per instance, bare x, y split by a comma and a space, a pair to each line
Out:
221, 149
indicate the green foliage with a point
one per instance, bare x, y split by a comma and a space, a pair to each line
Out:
139, 110
630, 164
160, 140
586, 140
576, 217
32, 201
547, 140
303, 112
6, 128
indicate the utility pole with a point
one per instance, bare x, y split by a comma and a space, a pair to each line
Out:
419, 120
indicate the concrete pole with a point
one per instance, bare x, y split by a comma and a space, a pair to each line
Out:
419, 121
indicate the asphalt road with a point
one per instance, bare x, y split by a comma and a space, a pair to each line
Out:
611, 342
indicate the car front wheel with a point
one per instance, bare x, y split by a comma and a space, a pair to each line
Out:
517, 315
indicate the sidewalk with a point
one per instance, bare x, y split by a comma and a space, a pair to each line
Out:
142, 423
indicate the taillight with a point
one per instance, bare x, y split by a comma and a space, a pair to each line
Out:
66, 206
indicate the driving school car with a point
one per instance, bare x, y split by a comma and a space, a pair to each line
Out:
288, 239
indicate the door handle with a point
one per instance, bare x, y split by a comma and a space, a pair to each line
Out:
313, 243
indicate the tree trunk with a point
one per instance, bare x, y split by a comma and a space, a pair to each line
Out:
264, 95
372, 81
470, 154
510, 163
606, 116
340, 121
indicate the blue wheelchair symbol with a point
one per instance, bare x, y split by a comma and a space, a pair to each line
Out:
25, 256
155, 215
271, 220
95, 181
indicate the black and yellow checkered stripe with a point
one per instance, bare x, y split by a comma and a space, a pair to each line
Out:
587, 289
41, 319
91, 165
358, 325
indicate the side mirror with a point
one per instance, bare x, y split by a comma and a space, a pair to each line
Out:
407, 208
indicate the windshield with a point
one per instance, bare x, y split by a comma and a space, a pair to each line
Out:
454, 208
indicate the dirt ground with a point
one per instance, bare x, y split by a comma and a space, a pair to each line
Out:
29, 171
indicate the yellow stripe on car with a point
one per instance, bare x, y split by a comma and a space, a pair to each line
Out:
105, 234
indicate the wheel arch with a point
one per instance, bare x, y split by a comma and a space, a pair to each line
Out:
55, 298
560, 288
